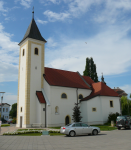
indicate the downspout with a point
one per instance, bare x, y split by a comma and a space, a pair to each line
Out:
77, 95
45, 115
120, 106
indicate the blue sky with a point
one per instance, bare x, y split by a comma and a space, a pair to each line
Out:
74, 30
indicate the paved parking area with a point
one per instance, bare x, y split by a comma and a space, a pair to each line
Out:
108, 140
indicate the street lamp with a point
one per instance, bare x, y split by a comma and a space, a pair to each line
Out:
2, 93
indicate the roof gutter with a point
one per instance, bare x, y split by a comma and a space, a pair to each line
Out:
83, 79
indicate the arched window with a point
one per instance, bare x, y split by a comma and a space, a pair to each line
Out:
80, 96
63, 95
23, 52
56, 110
36, 51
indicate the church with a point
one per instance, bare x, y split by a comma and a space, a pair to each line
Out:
47, 96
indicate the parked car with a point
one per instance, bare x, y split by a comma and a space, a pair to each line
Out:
78, 128
9, 121
3, 120
123, 121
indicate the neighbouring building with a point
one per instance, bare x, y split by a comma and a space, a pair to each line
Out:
5, 110
47, 95
120, 92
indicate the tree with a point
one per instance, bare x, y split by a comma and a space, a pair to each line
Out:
13, 112
126, 105
90, 69
76, 113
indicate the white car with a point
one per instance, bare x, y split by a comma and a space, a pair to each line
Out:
78, 128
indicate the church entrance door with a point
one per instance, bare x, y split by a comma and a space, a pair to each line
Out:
20, 121
67, 120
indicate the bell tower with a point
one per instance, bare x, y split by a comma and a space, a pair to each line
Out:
31, 70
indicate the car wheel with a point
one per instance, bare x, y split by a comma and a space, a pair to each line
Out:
72, 133
119, 128
95, 132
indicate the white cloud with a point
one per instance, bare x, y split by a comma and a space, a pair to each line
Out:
25, 3
108, 49
52, 16
2, 9
50, 1
41, 21
109, 11
51, 43
9, 98
9, 52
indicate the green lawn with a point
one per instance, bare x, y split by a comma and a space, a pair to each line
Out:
5, 125
54, 127
102, 127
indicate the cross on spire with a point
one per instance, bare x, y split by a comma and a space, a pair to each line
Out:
33, 13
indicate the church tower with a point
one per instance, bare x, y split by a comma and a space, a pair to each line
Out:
31, 70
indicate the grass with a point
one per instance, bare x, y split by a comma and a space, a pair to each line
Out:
5, 125
54, 127
102, 127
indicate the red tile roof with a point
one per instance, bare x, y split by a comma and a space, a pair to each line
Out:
40, 97
100, 89
88, 80
64, 78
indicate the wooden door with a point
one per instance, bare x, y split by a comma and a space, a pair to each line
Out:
20, 121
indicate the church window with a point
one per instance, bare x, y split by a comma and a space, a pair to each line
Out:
80, 96
21, 109
63, 95
56, 110
111, 103
36, 51
93, 109
23, 52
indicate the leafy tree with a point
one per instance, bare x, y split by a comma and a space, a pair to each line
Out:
112, 117
13, 112
76, 113
126, 105
90, 69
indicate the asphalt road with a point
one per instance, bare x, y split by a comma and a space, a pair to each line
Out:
108, 140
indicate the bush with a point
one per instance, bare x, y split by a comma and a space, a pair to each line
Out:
14, 120
5, 125
112, 117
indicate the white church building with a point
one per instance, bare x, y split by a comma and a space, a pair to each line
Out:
47, 95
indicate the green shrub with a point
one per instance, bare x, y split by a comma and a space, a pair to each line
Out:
5, 125
14, 120
112, 117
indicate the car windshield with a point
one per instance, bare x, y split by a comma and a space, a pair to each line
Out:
120, 117
68, 124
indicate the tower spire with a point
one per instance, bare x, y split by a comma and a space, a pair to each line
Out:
102, 79
33, 13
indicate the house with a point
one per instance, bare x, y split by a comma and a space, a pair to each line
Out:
5, 110
47, 95
120, 92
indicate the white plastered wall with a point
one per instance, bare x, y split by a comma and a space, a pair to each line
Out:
65, 105
35, 80
106, 109
22, 85
102, 105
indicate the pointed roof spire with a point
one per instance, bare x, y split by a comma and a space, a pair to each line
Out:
33, 31
33, 13
102, 78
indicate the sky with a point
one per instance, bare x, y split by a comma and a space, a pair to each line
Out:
74, 30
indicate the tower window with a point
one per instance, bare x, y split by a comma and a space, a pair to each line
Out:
36, 51
23, 52
21, 109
